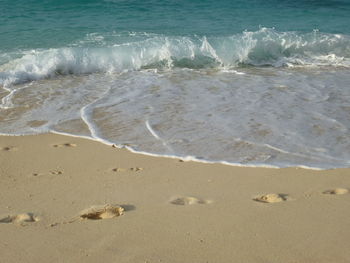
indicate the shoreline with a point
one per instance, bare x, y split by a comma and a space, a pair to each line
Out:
185, 159
174, 211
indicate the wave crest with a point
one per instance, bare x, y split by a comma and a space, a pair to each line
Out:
265, 47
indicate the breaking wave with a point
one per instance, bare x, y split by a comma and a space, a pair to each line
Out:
265, 47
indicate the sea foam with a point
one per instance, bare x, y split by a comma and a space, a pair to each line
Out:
263, 98
95, 54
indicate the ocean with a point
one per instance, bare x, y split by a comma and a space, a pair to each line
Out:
250, 83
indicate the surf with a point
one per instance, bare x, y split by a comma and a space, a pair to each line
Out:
98, 53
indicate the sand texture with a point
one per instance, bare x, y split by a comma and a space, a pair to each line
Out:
65, 199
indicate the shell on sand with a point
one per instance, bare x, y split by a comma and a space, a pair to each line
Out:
102, 212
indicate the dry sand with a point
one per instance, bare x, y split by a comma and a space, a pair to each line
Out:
65, 199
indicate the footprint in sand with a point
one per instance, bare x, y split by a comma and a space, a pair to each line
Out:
64, 145
337, 191
132, 169
189, 200
8, 149
102, 212
271, 198
52, 172
56, 172
20, 219
36, 174
98, 212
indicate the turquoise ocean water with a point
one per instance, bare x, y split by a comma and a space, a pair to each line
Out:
255, 83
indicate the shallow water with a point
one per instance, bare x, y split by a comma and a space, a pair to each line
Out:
197, 79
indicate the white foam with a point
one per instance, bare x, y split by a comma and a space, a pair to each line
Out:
182, 158
259, 48
6, 102
248, 116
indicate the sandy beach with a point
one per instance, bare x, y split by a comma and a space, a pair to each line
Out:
66, 199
